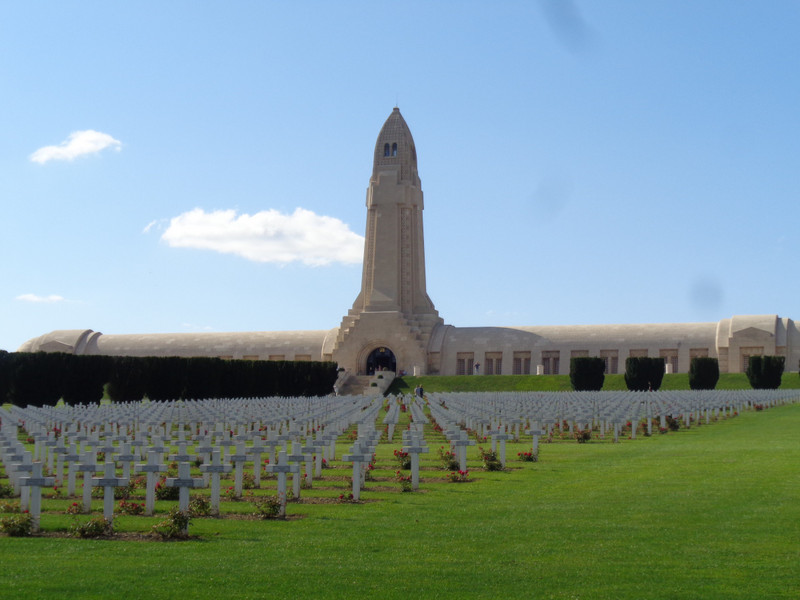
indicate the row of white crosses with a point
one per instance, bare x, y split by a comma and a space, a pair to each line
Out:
128, 432
392, 417
501, 415
132, 443
19, 461
363, 448
459, 441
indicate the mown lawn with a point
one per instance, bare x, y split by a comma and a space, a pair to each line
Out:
559, 383
709, 512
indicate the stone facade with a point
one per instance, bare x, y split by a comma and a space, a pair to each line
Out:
393, 324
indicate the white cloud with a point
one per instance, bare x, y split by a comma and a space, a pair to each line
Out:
149, 226
34, 298
77, 144
268, 236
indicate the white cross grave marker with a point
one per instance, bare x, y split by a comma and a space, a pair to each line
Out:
88, 467
215, 469
108, 482
282, 467
184, 482
153, 467
35, 483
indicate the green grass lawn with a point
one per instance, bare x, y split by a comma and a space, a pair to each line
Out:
559, 383
709, 512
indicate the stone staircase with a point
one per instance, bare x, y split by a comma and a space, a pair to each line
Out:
355, 385
361, 385
420, 327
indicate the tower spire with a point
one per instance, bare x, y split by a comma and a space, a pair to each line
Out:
392, 310
393, 275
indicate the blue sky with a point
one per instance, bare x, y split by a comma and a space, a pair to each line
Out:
188, 166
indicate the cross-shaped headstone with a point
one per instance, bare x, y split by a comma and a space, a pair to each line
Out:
203, 450
215, 469
126, 457
281, 468
415, 448
256, 451
35, 483
108, 482
184, 482
535, 432
21, 463
138, 444
460, 444
359, 458
182, 455
72, 457
88, 466
59, 450
153, 467
308, 451
238, 458
500, 436
298, 458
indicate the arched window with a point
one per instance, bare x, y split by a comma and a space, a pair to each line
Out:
386, 149
394, 149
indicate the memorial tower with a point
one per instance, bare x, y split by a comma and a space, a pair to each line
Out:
392, 320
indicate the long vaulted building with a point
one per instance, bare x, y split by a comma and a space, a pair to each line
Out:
393, 324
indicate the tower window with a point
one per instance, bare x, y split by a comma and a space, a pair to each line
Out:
386, 149
394, 149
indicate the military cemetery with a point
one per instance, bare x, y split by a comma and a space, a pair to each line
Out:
543, 462
311, 490
358, 440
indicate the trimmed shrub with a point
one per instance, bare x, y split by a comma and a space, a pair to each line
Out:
36, 378
703, 373
166, 377
587, 373
644, 373
128, 378
85, 378
765, 372
203, 377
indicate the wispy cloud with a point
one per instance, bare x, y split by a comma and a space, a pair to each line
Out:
44, 299
79, 143
268, 236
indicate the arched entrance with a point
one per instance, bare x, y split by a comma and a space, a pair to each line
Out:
381, 359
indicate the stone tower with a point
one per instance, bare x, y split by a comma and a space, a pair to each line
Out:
393, 320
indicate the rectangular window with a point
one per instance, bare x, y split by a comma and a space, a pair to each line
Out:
250, 357
522, 363
611, 359
464, 363
302, 357
698, 353
277, 357
578, 353
670, 357
493, 363
638, 353
550, 362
